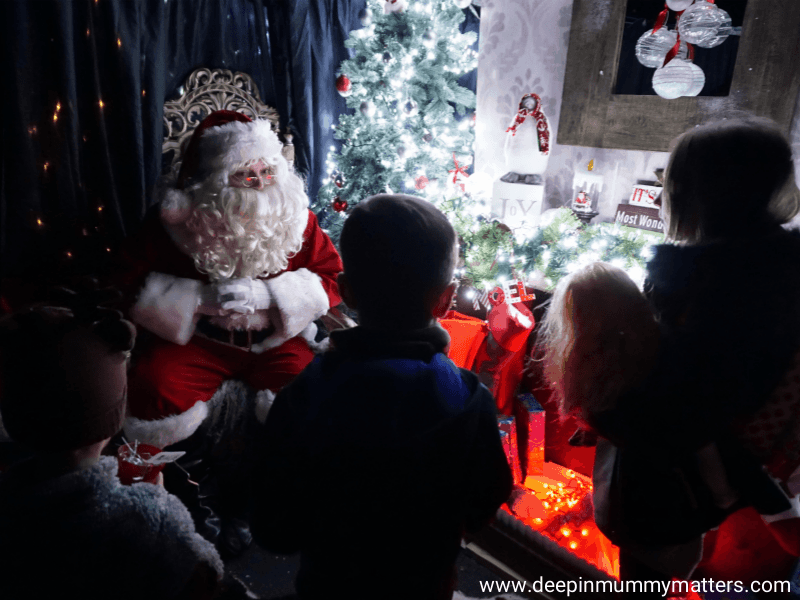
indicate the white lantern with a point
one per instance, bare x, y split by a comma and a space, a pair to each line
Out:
679, 5
698, 81
704, 24
674, 79
652, 48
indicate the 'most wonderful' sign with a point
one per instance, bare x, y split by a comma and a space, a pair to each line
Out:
640, 217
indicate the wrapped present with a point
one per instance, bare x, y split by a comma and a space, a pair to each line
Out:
530, 417
508, 436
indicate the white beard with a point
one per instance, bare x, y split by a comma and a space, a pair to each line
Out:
240, 232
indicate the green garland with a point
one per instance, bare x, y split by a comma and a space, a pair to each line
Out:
492, 254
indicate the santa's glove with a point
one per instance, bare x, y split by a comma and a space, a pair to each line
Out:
223, 296
245, 295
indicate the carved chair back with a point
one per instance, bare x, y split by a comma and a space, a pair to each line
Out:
205, 91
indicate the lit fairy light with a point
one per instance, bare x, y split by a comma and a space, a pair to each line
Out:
46, 166
101, 103
39, 222
119, 43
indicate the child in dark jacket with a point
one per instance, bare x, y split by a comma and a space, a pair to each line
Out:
382, 454
68, 527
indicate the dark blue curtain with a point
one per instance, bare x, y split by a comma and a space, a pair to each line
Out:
84, 83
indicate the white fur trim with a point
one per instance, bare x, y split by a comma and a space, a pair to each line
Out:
176, 206
299, 298
227, 146
169, 430
166, 306
264, 400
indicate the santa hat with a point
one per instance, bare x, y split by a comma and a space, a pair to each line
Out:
63, 381
222, 141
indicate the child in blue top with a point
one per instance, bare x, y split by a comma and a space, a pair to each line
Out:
379, 457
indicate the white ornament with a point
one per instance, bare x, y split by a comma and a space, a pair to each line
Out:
705, 25
392, 6
527, 145
679, 5
673, 80
698, 81
651, 50
462, 3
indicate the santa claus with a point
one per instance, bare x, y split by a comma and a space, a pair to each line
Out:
229, 275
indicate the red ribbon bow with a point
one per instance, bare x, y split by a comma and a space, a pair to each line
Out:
459, 170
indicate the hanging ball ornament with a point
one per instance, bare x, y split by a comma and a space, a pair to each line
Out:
679, 5
401, 151
411, 108
420, 182
705, 25
462, 3
427, 137
365, 16
428, 36
338, 180
387, 57
698, 81
367, 108
343, 86
339, 205
652, 48
673, 80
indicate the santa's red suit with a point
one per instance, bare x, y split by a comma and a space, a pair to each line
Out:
179, 369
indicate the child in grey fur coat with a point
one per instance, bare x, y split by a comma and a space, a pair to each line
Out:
67, 526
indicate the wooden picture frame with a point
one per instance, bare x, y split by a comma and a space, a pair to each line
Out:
766, 80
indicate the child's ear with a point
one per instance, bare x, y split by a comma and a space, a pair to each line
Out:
346, 291
444, 301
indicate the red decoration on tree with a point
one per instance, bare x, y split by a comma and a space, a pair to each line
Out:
420, 182
343, 85
459, 170
339, 205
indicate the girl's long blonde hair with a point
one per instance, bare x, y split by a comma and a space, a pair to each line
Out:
598, 339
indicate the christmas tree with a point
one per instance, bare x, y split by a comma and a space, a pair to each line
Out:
409, 131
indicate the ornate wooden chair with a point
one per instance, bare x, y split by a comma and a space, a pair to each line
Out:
205, 91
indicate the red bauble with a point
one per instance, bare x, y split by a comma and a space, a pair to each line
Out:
339, 205
420, 182
343, 85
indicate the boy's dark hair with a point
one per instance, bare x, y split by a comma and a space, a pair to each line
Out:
399, 254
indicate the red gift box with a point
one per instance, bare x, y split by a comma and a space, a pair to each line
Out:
530, 434
508, 435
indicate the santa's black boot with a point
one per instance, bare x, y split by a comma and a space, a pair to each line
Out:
235, 536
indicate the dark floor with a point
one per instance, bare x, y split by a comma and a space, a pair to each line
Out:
272, 576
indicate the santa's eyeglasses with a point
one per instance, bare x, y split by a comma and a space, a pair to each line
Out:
257, 176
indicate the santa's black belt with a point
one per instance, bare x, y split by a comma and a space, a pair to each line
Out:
241, 338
